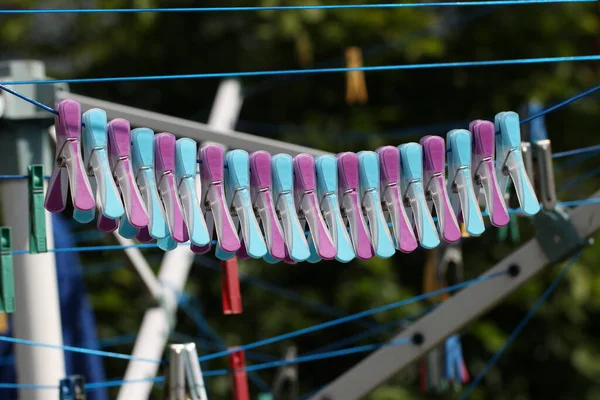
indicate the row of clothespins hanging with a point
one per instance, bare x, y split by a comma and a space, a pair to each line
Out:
146, 186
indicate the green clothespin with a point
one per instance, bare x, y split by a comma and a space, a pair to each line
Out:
265, 396
37, 213
513, 226
7, 284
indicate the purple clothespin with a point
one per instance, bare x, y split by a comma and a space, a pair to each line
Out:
68, 167
213, 202
350, 204
262, 200
119, 151
434, 171
484, 173
305, 185
389, 165
164, 168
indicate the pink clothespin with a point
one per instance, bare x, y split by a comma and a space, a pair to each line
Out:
239, 386
164, 168
69, 170
350, 204
305, 185
434, 174
262, 199
119, 151
215, 208
389, 164
484, 173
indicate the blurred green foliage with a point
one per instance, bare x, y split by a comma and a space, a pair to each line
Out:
556, 357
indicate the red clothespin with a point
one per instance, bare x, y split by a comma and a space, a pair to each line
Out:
230, 287
237, 364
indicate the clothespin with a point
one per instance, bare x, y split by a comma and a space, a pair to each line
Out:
142, 154
72, 388
166, 181
392, 203
69, 171
231, 298
307, 206
460, 183
237, 194
261, 190
287, 376
509, 163
7, 285
283, 193
327, 190
237, 364
368, 174
185, 173
434, 168
543, 156
484, 173
350, 204
455, 368
37, 215
95, 158
184, 376
216, 212
411, 161
119, 150
356, 87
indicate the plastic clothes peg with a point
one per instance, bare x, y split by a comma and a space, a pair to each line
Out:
484, 173
368, 173
237, 193
72, 388
455, 369
231, 298
185, 173
282, 169
37, 213
411, 162
142, 154
95, 157
327, 190
68, 163
509, 161
7, 285
261, 192
389, 164
434, 169
193, 373
350, 204
119, 150
307, 206
216, 212
176, 373
460, 183
165, 171
237, 364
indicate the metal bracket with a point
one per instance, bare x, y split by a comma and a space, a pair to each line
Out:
556, 234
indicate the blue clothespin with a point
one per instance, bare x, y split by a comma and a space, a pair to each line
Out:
509, 161
237, 194
95, 158
455, 369
142, 150
185, 173
327, 188
283, 193
72, 388
411, 162
368, 174
460, 181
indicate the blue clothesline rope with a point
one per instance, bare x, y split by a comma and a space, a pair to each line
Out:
519, 328
288, 8
520, 61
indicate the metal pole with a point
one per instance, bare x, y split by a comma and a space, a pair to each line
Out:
174, 269
24, 140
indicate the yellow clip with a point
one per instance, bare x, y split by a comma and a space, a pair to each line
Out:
356, 86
